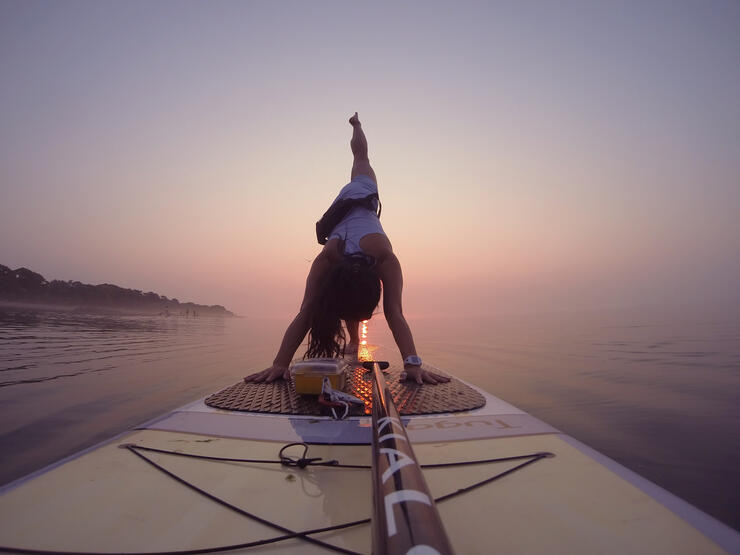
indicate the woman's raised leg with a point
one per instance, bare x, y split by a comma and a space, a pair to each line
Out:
358, 144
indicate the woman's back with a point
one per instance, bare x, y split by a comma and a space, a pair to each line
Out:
359, 221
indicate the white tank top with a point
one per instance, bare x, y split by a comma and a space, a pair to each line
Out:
359, 221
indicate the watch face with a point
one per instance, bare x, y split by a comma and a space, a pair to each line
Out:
413, 360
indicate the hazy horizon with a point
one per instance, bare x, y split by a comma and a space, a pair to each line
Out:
530, 157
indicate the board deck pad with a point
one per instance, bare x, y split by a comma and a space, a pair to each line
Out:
280, 397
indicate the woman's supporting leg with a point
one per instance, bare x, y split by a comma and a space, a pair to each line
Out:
358, 144
353, 327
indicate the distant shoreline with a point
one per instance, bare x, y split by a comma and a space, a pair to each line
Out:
102, 310
24, 288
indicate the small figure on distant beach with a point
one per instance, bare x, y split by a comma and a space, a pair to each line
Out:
345, 279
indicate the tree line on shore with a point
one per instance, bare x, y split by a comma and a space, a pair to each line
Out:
25, 286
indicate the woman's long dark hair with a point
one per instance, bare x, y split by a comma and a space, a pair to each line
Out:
351, 291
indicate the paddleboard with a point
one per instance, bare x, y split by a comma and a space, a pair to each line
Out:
203, 478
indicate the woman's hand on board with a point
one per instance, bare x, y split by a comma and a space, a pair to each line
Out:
420, 376
274, 372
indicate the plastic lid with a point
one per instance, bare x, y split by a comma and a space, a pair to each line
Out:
319, 366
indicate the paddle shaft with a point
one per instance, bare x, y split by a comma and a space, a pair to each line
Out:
405, 518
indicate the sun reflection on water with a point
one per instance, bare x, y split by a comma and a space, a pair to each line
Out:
364, 388
364, 352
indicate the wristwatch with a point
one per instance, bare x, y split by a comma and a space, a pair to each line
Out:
412, 360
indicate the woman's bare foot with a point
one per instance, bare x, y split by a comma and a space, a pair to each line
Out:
354, 120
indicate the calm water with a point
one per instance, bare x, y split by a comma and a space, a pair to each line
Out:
657, 392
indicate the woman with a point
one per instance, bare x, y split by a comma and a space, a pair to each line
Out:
344, 284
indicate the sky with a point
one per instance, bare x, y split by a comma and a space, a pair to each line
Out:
531, 156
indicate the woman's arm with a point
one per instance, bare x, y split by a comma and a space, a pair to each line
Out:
300, 325
389, 269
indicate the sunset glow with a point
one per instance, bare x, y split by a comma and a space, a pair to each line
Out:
529, 156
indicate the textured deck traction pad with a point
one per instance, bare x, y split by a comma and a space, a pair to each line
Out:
280, 397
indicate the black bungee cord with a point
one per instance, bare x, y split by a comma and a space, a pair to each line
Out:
285, 460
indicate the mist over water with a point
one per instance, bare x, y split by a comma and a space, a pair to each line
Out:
656, 391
